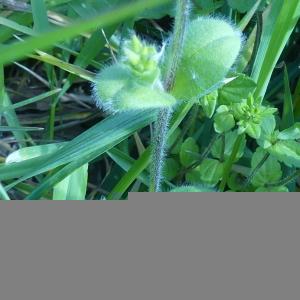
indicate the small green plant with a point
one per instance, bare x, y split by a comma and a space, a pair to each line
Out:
193, 68
198, 57
193, 96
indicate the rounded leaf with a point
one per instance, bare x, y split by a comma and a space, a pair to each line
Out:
209, 103
209, 172
189, 152
210, 49
269, 172
224, 120
230, 138
287, 152
171, 168
275, 189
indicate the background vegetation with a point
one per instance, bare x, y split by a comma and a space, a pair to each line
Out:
54, 142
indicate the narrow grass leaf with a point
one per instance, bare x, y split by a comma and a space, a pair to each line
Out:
288, 111
39, 14
19, 129
46, 40
72, 187
280, 33
3, 193
98, 139
30, 100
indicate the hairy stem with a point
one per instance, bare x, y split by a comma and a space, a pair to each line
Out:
256, 169
161, 128
159, 142
181, 19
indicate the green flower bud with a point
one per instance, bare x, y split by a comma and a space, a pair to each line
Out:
133, 83
141, 59
210, 48
250, 114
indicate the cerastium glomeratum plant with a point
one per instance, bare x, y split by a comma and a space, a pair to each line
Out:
197, 57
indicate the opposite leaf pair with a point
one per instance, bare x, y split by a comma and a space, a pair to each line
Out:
210, 48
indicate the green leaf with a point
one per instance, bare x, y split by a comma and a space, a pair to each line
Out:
19, 129
189, 152
268, 125
10, 116
208, 172
270, 172
287, 152
209, 103
171, 169
142, 163
229, 162
159, 12
236, 182
39, 14
241, 5
224, 120
72, 187
292, 133
210, 49
29, 101
253, 130
236, 90
275, 189
208, 5
278, 27
126, 163
32, 152
288, 112
3, 193
268, 136
20, 49
91, 143
230, 138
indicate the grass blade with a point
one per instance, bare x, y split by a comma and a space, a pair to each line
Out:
21, 49
3, 194
95, 141
288, 110
284, 25
30, 101
72, 187
19, 129
39, 14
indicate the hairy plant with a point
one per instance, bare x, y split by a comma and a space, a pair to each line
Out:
218, 80
197, 58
